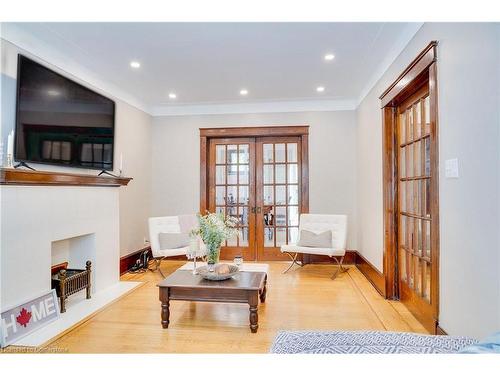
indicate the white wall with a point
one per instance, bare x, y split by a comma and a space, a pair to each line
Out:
132, 139
332, 162
468, 98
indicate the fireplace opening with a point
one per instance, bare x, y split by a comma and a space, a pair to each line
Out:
72, 269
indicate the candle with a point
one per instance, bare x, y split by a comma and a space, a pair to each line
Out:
10, 143
194, 246
10, 149
121, 162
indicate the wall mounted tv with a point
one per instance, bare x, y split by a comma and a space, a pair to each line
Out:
59, 121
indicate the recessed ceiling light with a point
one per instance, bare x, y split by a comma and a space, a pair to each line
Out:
320, 89
135, 64
53, 92
243, 92
172, 95
329, 56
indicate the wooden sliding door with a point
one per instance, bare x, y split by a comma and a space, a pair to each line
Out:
411, 201
259, 176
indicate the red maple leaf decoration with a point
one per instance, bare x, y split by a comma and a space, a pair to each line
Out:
24, 317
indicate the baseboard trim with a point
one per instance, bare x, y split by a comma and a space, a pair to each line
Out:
374, 276
129, 260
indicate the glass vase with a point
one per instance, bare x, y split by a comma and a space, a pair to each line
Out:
213, 253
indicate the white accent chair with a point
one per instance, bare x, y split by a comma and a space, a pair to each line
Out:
171, 224
318, 224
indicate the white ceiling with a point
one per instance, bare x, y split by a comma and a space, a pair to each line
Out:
206, 64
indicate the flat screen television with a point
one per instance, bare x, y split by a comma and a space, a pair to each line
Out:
59, 121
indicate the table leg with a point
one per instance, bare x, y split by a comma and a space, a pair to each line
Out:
263, 292
253, 301
165, 307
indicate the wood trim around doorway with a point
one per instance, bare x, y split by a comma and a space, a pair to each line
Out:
422, 70
254, 131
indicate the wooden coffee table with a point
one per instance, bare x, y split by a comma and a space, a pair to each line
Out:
245, 287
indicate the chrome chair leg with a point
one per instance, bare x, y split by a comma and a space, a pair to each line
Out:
340, 267
157, 264
294, 261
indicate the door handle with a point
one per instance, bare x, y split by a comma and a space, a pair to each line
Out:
256, 210
259, 210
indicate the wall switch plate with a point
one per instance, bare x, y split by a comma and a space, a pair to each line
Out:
451, 168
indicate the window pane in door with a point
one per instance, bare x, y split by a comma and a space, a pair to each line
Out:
293, 215
291, 152
281, 194
232, 194
232, 174
268, 194
427, 115
243, 174
243, 195
280, 236
268, 153
243, 216
402, 128
280, 177
268, 174
402, 262
220, 174
418, 125
244, 155
243, 237
220, 195
233, 241
293, 177
279, 150
293, 194
220, 154
280, 218
232, 154
268, 237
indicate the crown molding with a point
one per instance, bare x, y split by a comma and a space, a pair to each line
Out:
403, 40
255, 107
39, 50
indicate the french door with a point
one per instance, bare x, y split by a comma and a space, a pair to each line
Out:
415, 197
278, 195
232, 190
259, 181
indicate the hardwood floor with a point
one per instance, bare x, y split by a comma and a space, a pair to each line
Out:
302, 299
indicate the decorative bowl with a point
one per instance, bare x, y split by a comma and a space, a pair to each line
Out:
221, 272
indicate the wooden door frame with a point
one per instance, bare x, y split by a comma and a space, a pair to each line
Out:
301, 131
422, 69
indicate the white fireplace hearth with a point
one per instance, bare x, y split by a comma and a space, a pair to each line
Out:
45, 225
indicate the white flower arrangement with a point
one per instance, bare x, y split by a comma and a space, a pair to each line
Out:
214, 229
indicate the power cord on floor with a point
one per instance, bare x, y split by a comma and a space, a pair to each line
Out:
142, 264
